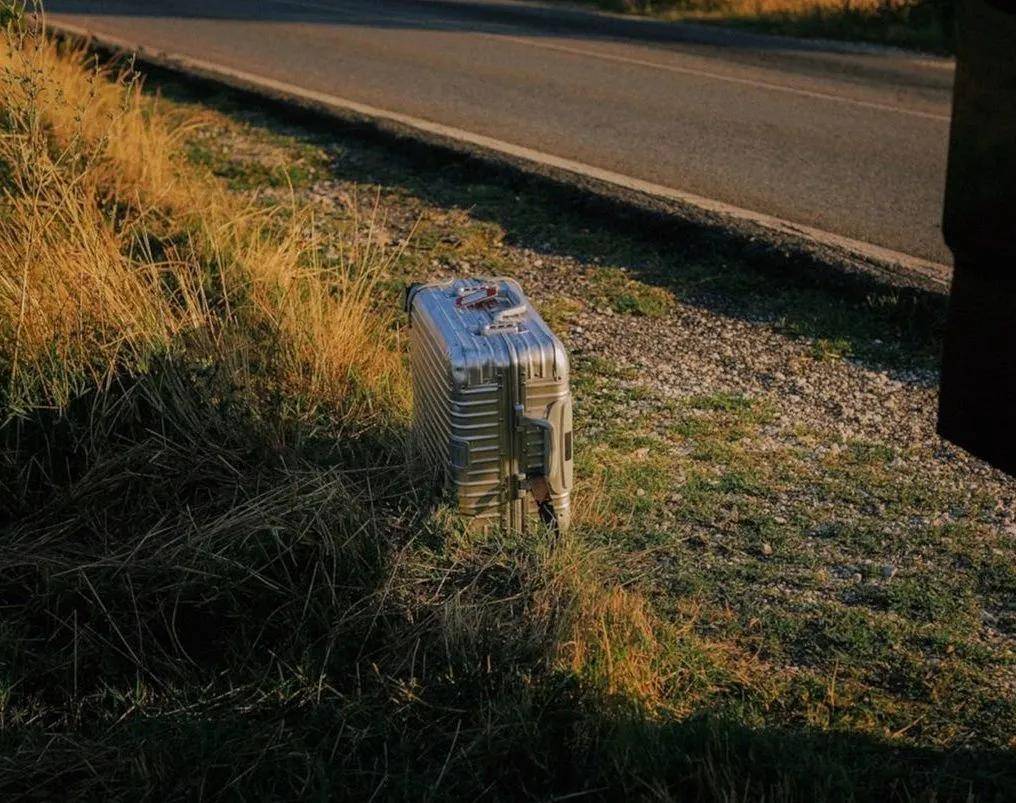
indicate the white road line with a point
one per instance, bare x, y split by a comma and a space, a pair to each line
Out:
654, 65
934, 271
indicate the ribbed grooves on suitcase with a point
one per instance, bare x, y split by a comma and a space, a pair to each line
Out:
472, 414
476, 418
432, 384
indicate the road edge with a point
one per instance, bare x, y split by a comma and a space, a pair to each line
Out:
643, 26
836, 252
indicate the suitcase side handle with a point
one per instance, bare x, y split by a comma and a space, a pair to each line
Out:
555, 464
550, 470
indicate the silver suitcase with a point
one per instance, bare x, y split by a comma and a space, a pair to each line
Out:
492, 406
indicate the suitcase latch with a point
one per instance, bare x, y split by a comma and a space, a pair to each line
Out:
504, 321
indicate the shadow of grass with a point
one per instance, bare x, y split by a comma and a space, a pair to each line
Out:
355, 741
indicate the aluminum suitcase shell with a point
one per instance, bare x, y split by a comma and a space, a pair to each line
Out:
492, 404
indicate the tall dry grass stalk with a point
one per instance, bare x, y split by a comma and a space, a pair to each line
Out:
113, 251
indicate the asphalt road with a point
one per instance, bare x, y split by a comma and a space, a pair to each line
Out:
845, 142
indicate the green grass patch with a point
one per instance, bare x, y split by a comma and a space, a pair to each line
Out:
625, 296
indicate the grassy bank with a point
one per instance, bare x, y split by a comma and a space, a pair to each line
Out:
921, 24
221, 577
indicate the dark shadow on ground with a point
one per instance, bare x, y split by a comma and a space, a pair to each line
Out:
356, 744
268, 656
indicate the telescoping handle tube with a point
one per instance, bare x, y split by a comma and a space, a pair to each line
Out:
517, 300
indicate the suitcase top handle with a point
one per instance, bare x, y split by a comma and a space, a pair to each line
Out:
491, 293
481, 295
469, 297
486, 295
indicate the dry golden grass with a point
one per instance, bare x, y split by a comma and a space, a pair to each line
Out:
609, 636
606, 634
113, 251
562, 608
925, 24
